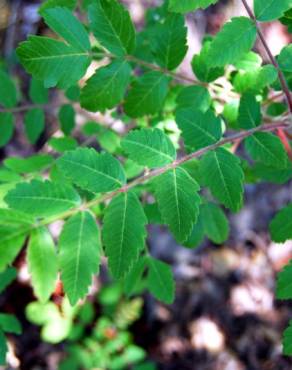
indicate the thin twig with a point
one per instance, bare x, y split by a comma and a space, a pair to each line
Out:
273, 60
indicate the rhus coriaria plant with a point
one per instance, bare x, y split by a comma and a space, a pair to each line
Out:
165, 144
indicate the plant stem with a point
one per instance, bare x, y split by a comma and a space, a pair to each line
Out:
273, 60
159, 171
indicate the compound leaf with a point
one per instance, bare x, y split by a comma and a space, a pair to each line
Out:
222, 173
269, 10
147, 95
149, 147
106, 88
34, 123
266, 148
178, 200
160, 280
79, 254
42, 263
42, 199
198, 129
91, 170
249, 114
112, 26
215, 223
170, 42
235, 39
123, 233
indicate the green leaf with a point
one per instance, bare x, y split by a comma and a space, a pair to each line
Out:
133, 279
149, 147
272, 174
42, 263
66, 117
281, 225
285, 59
222, 173
112, 26
63, 22
10, 324
6, 278
79, 257
197, 235
34, 123
178, 200
123, 233
287, 340
169, 44
203, 70
3, 348
235, 39
6, 128
249, 114
255, 80
70, 4
284, 282
215, 223
92, 171
269, 10
160, 280
197, 97
62, 144
37, 92
198, 129
42, 199
185, 6
106, 88
147, 95
266, 148
8, 92
52, 61
31, 164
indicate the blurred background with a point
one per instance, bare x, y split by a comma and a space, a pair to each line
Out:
225, 316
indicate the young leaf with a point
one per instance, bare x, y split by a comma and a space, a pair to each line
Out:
92, 171
284, 282
287, 340
42, 263
198, 129
63, 22
281, 225
235, 39
52, 61
222, 173
169, 44
160, 280
249, 114
42, 199
37, 92
149, 147
203, 70
106, 88
123, 233
8, 92
66, 117
215, 223
147, 95
178, 200
269, 10
34, 123
10, 324
267, 148
185, 6
112, 26
79, 254
197, 97
6, 127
